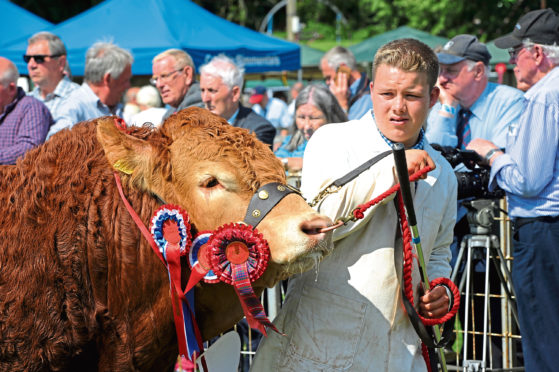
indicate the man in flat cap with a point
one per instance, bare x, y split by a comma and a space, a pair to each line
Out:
529, 173
469, 105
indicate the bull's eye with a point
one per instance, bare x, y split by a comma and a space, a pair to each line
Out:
210, 182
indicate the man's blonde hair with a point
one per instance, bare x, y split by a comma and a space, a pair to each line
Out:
182, 59
409, 55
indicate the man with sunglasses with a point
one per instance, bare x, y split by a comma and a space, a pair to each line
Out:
24, 121
46, 62
108, 69
529, 173
174, 78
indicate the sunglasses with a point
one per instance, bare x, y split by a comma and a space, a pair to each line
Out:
39, 58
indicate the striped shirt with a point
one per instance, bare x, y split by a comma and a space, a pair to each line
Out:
54, 99
82, 104
529, 171
23, 125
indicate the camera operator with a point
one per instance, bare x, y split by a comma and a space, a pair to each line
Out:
529, 173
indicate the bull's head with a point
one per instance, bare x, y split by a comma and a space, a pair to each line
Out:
211, 169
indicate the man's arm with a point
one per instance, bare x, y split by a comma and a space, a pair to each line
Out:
34, 124
68, 115
527, 166
441, 125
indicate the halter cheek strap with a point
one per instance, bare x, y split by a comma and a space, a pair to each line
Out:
264, 200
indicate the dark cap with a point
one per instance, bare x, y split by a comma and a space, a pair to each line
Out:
463, 47
540, 26
257, 94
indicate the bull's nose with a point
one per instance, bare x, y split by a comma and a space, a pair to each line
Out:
315, 225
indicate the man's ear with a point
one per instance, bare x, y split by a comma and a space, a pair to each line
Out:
371, 88
61, 63
236, 92
479, 69
537, 53
434, 96
189, 73
107, 79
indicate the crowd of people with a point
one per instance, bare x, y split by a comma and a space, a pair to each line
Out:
347, 316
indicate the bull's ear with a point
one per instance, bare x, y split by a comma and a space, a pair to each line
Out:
124, 152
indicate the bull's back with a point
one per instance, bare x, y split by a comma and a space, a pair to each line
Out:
43, 287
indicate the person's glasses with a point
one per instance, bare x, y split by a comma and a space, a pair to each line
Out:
163, 78
313, 119
514, 52
39, 58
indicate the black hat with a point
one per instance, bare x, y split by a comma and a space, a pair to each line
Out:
463, 47
540, 26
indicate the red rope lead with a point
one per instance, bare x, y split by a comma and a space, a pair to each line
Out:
408, 254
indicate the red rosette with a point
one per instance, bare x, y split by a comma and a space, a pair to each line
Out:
236, 243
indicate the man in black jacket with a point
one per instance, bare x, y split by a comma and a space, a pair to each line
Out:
221, 82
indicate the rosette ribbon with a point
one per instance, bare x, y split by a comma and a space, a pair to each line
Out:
238, 255
170, 228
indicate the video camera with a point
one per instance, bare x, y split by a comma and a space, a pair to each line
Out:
474, 183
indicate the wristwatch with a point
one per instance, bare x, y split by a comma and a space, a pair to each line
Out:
490, 154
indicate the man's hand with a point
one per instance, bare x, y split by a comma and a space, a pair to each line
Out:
340, 89
482, 147
434, 303
447, 99
418, 159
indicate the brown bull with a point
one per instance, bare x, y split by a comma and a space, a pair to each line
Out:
80, 288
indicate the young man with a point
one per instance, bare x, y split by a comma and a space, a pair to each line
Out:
348, 314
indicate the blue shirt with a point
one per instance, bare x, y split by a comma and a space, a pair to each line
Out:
275, 112
493, 112
362, 105
529, 171
282, 152
82, 104
54, 100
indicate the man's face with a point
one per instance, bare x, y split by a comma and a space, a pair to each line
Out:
217, 96
7, 94
118, 86
525, 69
401, 102
456, 80
328, 73
48, 72
172, 83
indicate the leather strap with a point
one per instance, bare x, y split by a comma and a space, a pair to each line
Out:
266, 198
360, 169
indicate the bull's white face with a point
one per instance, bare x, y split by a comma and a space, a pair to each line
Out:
214, 180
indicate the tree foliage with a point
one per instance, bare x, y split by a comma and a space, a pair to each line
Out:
485, 19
